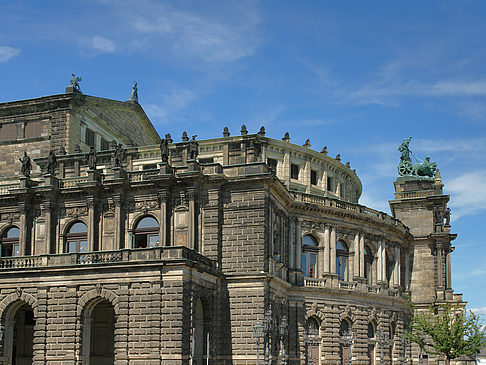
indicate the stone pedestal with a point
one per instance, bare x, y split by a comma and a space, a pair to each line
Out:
94, 176
71, 89
193, 166
51, 180
25, 182
165, 169
119, 173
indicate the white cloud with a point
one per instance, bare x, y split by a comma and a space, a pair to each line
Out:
189, 34
377, 204
469, 193
7, 53
102, 44
170, 103
481, 310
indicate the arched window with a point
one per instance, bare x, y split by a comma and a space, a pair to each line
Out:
146, 233
77, 238
345, 346
368, 264
10, 242
342, 255
371, 343
309, 256
371, 330
344, 328
99, 333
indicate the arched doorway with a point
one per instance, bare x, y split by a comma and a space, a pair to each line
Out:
345, 346
312, 340
99, 334
19, 334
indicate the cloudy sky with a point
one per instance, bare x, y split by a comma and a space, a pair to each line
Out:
354, 76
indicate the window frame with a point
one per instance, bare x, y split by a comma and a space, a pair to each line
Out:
77, 238
310, 251
141, 236
10, 243
342, 261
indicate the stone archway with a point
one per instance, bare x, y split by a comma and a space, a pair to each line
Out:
98, 339
18, 323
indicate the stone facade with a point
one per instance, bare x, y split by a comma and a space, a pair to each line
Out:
163, 263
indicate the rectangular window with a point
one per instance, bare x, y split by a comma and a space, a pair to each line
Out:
206, 160
313, 177
89, 137
149, 167
329, 183
294, 171
8, 132
105, 145
272, 163
33, 129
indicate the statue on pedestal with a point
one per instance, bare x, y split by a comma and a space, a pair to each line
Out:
26, 165
193, 148
51, 163
164, 150
75, 82
118, 155
134, 94
92, 159
407, 168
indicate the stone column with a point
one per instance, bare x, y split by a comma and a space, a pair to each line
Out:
333, 250
192, 227
225, 154
307, 176
322, 253
47, 208
440, 272
286, 168
357, 256
396, 271
23, 229
298, 246
361, 255
338, 189
163, 218
448, 270
292, 244
118, 243
326, 249
379, 262
383, 260
91, 222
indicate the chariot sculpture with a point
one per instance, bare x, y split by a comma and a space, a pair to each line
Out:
420, 168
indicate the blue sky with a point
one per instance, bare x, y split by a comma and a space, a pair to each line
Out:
354, 76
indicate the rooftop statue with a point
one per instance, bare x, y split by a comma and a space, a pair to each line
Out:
92, 159
75, 82
193, 148
134, 94
118, 155
26, 165
51, 163
164, 150
407, 168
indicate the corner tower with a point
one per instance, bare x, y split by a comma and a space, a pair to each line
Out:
422, 206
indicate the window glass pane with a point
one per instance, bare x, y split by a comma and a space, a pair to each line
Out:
340, 245
72, 247
294, 171
8, 132
78, 227
33, 129
308, 240
312, 265
16, 250
83, 246
313, 177
153, 241
148, 222
304, 264
140, 241
13, 232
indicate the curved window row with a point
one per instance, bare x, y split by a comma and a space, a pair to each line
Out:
311, 251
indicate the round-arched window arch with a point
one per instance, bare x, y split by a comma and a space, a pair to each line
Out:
342, 258
10, 242
77, 237
309, 256
345, 328
146, 233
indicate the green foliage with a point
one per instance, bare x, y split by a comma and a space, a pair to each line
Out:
447, 330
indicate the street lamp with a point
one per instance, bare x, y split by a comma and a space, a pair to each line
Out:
258, 332
405, 344
267, 327
348, 339
382, 341
283, 333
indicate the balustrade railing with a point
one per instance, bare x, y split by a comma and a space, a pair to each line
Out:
4, 188
156, 254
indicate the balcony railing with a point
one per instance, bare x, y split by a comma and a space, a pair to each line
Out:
340, 204
330, 283
156, 254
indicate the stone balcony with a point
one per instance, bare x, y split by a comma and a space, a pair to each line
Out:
141, 255
352, 286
